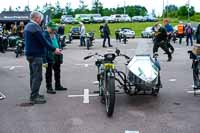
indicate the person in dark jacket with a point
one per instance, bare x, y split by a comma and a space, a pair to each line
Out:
53, 61
106, 34
160, 40
189, 33
35, 45
198, 34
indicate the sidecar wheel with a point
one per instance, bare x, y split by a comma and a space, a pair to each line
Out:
155, 91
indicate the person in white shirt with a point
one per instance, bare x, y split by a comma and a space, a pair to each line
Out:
82, 34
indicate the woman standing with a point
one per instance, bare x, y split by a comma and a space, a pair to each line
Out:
54, 61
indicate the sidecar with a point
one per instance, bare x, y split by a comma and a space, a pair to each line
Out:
144, 73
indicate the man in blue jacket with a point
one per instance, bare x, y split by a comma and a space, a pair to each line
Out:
35, 45
170, 31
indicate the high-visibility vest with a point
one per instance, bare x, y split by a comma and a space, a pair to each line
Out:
180, 29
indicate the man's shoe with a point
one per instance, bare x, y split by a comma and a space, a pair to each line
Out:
41, 96
110, 45
169, 59
60, 88
104, 46
51, 91
37, 100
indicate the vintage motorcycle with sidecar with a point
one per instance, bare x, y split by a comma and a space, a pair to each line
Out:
141, 77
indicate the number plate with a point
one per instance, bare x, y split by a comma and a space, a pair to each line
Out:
109, 66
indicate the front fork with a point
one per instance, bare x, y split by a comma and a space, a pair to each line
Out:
102, 77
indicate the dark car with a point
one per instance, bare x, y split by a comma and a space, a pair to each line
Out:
75, 32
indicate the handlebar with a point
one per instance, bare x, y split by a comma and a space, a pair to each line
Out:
89, 56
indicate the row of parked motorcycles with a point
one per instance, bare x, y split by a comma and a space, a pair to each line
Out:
10, 41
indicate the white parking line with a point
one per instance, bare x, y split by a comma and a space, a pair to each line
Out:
90, 95
2, 96
172, 80
95, 82
131, 131
12, 67
85, 65
192, 91
86, 96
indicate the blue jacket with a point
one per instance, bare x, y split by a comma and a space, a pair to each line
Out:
35, 43
169, 28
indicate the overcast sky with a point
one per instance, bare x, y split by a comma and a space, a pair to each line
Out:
149, 4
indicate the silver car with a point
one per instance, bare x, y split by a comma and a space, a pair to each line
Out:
128, 32
147, 33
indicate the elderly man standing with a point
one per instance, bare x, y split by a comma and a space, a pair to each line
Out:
35, 46
82, 34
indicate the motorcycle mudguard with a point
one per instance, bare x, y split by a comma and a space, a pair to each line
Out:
144, 68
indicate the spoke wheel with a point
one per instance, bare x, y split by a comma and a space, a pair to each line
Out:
110, 96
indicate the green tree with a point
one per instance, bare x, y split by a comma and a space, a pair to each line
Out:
58, 10
82, 5
26, 8
170, 11
183, 11
68, 10
97, 6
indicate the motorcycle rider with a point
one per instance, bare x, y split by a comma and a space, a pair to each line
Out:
160, 40
170, 31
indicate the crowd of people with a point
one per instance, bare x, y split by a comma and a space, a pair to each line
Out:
163, 35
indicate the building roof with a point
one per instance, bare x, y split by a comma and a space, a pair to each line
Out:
12, 16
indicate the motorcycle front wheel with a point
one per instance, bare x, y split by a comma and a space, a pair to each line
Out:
109, 94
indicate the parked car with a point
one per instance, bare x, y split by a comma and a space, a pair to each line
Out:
117, 17
147, 33
138, 19
128, 32
109, 19
85, 18
150, 19
125, 18
75, 32
96, 18
68, 19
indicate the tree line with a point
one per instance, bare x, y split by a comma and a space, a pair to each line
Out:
171, 11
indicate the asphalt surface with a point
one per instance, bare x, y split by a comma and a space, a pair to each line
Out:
174, 110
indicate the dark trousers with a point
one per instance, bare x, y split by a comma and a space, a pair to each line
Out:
106, 36
56, 68
164, 47
82, 41
35, 66
196, 67
180, 38
189, 37
169, 45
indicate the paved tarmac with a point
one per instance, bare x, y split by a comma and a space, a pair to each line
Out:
174, 110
